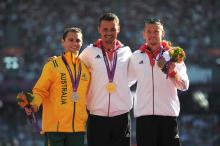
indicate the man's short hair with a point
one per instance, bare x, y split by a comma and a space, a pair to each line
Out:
71, 29
109, 17
153, 21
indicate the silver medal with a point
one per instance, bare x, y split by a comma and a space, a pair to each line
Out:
75, 97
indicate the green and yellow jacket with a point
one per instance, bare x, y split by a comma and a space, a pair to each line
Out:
54, 91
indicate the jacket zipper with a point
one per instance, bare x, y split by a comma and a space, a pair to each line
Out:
57, 126
108, 103
74, 107
74, 113
153, 86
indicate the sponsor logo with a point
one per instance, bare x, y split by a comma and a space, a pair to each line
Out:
177, 136
98, 57
141, 62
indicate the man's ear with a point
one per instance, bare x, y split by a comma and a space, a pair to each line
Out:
119, 28
98, 29
163, 34
143, 34
61, 41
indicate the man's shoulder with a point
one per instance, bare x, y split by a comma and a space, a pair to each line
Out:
90, 49
91, 46
54, 61
136, 55
137, 52
125, 49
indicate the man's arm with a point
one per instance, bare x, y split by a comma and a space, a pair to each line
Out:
178, 75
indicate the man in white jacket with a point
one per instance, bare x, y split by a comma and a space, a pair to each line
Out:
156, 106
109, 100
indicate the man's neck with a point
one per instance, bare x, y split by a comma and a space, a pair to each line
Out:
74, 57
108, 47
154, 47
73, 54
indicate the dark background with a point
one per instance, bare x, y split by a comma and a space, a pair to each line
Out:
30, 32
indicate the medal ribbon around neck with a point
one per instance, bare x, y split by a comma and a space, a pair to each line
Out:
161, 53
110, 71
75, 83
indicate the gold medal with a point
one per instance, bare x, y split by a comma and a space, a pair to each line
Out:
75, 97
110, 87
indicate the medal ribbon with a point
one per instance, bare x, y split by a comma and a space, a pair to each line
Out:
110, 71
161, 53
75, 83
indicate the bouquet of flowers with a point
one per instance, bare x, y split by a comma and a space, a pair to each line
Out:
24, 99
174, 54
177, 54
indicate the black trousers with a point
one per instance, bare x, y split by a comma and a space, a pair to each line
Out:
64, 139
109, 131
157, 131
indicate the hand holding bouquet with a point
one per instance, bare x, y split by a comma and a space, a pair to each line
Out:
167, 60
24, 100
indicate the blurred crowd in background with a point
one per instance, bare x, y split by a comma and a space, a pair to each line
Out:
30, 32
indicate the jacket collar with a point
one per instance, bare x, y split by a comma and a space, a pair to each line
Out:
98, 44
153, 54
71, 57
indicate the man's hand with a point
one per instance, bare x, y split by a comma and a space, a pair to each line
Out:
30, 109
171, 67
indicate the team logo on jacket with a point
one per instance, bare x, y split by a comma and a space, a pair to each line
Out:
177, 136
84, 77
128, 132
141, 62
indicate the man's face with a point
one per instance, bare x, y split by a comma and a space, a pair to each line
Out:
153, 34
108, 31
72, 42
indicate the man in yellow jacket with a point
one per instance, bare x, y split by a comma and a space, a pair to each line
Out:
62, 90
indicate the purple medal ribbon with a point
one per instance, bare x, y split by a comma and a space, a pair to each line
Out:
167, 63
110, 71
75, 83
161, 53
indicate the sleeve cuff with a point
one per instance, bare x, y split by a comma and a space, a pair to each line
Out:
172, 74
37, 100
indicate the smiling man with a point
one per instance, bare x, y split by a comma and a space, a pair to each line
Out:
62, 90
156, 106
109, 101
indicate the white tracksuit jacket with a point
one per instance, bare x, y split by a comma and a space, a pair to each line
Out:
155, 94
99, 101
